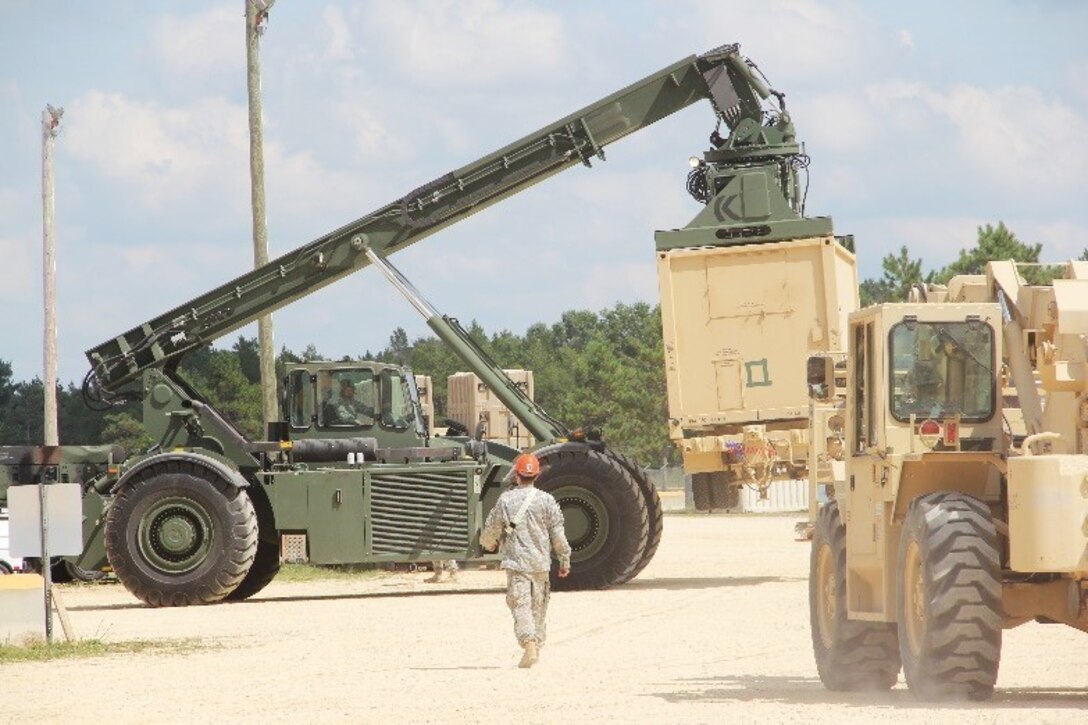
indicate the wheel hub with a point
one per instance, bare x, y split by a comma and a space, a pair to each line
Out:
582, 522
585, 519
175, 535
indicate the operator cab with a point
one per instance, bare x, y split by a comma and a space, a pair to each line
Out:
333, 400
920, 377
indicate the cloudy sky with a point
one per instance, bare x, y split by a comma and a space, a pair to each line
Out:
923, 120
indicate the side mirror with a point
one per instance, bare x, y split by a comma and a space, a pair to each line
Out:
821, 378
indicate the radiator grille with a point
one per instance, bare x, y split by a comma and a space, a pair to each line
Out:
419, 513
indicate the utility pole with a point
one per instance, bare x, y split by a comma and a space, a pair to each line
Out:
256, 20
50, 129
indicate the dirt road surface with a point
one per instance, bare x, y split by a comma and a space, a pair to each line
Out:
715, 630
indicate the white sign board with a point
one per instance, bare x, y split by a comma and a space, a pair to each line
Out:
63, 504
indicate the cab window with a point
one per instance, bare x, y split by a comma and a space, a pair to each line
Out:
347, 398
397, 409
942, 369
300, 399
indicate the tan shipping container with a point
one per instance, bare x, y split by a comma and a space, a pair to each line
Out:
738, 323
470, 402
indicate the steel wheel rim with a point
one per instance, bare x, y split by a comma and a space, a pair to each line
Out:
914, 600
585, 521
826, 596
175, 535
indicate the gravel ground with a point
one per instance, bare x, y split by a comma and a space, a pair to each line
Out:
714, 630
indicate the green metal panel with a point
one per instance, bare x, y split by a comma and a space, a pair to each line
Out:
288, 493
381, 512
336, 517
94, 520
756, 196
718, 236
422, 514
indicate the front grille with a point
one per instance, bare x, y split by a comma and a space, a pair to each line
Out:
419, 513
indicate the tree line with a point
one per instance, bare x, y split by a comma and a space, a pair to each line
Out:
901, 272
602, 369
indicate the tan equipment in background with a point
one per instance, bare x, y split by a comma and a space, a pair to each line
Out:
472, 403
426, 401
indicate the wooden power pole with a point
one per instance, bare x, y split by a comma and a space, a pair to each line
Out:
256, 19
50, 128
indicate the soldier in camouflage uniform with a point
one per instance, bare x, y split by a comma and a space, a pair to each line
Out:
442, 565
527, 532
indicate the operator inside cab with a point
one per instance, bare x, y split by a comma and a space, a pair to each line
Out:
344, 408
924, 381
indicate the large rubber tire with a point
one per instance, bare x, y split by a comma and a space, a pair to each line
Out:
605, 514
5, 569
949, 607
266, 563
700, 491
850, 655
655, 514
179, 535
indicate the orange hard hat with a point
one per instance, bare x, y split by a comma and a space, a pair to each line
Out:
527, 466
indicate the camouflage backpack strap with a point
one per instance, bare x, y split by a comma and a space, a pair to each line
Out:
520, 515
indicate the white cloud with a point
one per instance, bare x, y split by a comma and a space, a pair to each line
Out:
1004, 138
1023, 139
469, 43
797, 39
839, 121
202, 44
898, 105
661, 202
339, 47
373, 138
832, 184
906, 39
170, 156
299, 186
164, 154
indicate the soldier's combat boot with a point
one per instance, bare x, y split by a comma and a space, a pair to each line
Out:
434, 578
530, 656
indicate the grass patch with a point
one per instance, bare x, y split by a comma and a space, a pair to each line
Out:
310, 573
37, 650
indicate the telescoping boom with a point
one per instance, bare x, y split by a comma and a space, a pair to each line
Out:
723, 76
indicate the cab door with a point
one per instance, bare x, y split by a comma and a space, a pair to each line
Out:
863, 586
